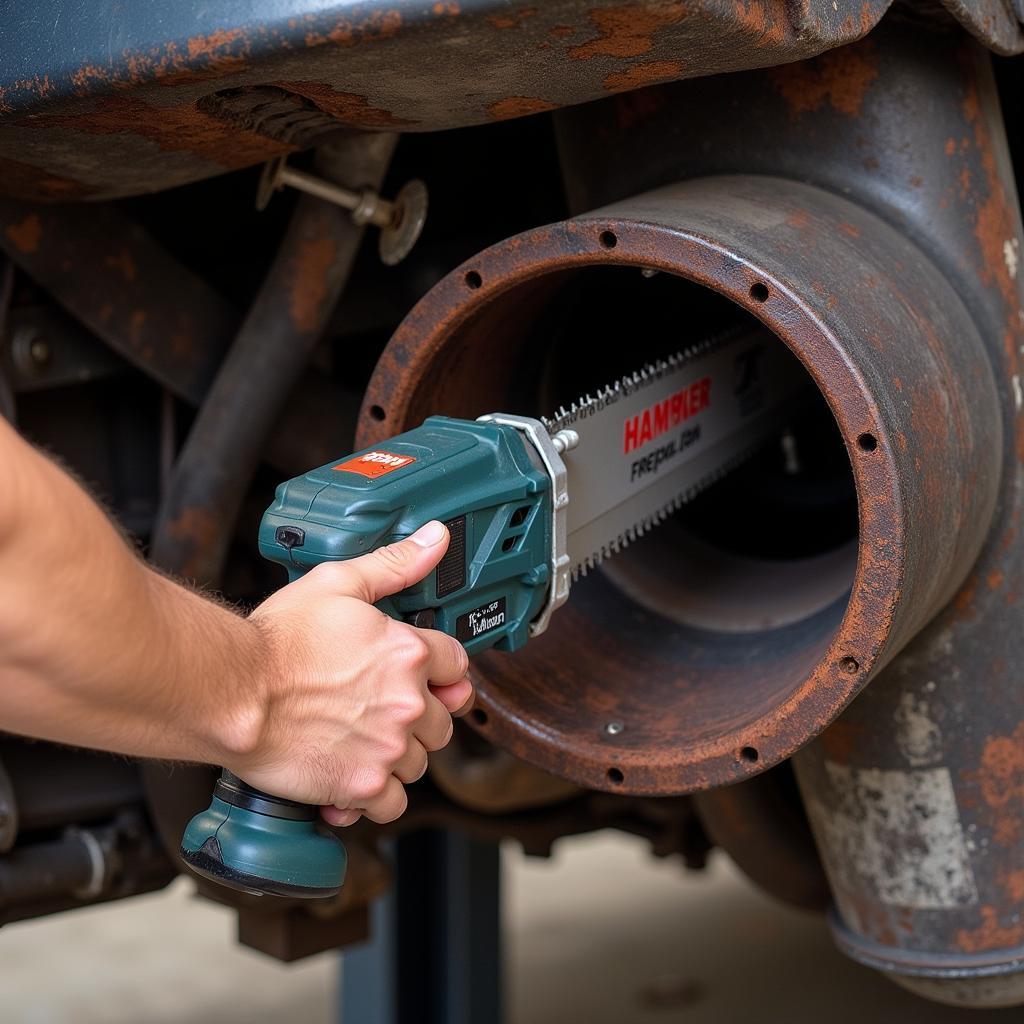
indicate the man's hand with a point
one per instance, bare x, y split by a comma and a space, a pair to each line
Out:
352, 699
317, 696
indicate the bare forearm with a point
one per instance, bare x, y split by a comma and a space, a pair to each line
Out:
97, 649
316, 696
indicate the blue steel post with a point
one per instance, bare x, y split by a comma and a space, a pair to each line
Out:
435, 954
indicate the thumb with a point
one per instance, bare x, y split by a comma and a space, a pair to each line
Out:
396, 566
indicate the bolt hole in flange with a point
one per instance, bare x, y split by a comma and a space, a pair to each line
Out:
726, 627
377, 413
727, 605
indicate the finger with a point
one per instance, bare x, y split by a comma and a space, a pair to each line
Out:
448, 659
338, 817
413, 765
434, 728
456, 697
391, 803
394, 567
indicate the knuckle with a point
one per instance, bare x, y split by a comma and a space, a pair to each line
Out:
410, 707
327, 572
370, 784
411, 649
419, 651
394, 748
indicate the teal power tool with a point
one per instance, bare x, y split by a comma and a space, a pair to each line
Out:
649, 442
499, 486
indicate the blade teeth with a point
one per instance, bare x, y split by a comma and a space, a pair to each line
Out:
642, 377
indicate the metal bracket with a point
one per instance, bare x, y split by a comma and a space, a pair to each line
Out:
549, 453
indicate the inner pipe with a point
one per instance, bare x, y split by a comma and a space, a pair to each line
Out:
898, 364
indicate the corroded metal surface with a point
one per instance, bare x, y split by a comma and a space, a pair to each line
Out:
266, 360
915, 133
111, 275
898, 359
760, 824
129, 99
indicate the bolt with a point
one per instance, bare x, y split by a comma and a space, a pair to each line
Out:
40, 352
30, 352
400, 221
367, 206
614, 728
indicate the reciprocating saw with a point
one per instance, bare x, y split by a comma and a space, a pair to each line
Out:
530, 505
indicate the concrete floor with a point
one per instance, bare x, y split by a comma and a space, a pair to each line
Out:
601, 933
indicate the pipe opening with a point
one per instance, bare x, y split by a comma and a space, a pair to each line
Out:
727, 606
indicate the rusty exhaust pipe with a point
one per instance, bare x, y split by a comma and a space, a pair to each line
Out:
904, 308
702, 701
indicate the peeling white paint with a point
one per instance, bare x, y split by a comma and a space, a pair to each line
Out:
899, 832
1018, 396
918, 737
1011, 255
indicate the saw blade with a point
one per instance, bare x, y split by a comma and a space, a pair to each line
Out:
658, 437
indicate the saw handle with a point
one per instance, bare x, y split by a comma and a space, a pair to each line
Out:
263, 844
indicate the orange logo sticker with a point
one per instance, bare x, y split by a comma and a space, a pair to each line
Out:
375, 464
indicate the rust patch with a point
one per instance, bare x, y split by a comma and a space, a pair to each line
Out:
1014, 885
996, 222
518, 106
210, 46
638, 75
990, 934
173, 129
124, 264
511, 20
840, 78
376, 26
308, 288
627, 31
561, 31
841, 739
448, 9
197, 529
26, 234
769, 21
135, 327
347, 107
1001, 781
